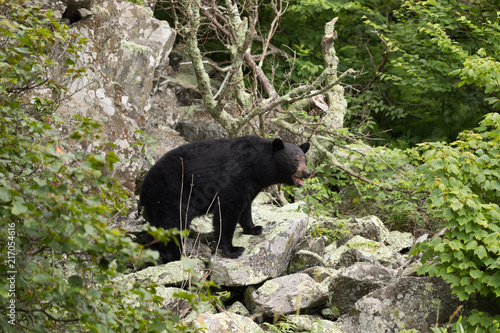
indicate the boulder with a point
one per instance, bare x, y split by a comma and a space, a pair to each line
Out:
206, 309
307, 254
321, 274
200, 127
225, 322
126, 45
369, 227
176, 305
409, 302
170, 274
399, 241
353, 255
239, 308
286, 294
267, 255
372, 228
313, 324
366, 250
347, 287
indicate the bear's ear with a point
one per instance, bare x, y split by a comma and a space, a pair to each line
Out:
305, 147
278, 144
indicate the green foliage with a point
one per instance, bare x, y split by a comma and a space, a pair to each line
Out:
480, 65
319, 192
31, 39
429, 41
332, 193
331, 234
281, 327
62, 259
477, 322
430, 67
481, 322
463, 180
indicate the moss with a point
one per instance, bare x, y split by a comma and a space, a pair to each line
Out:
428, 289
268, 288
396, 313
335, 311
436, 304
142, 49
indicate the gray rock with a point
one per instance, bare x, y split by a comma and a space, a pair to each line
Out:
370, 251
399, 241
369, 227
126, 44
239, 308
314, 324
286, 294
321, 274
200, 128
353, 255
307, 254
372, 228
203, 309
409, 302
170, 274
347, 287
267, 255
330, 313
174, 304
177, 305
225, 322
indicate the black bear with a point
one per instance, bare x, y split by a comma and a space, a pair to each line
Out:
221, 177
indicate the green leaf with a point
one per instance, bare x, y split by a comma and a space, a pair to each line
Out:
471, 245
480, 178
474, 318
42, 278
480, 251
439, 247
75, 281
445, 257
476, 274
18, 208
455, 245
486, 321
456, 205
188, 263
465, 281
5, 195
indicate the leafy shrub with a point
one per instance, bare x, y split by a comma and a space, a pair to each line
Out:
463, 179
55, 205
390, 193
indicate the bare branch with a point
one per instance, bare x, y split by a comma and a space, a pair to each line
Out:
274, 25
272, 49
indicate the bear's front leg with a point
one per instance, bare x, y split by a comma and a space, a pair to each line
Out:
224, 226
246, 222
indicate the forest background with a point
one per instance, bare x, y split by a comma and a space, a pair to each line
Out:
426, 93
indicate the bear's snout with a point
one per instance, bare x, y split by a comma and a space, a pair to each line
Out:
301, 174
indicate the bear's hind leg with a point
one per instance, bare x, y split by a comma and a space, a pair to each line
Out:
224, 227
168, 252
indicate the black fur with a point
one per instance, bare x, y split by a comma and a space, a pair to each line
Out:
226, 175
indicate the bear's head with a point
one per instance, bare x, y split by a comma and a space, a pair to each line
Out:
291, 163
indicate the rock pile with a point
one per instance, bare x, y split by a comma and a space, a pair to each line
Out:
360, 282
